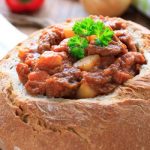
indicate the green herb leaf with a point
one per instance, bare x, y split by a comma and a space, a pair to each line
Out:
84, 27
104, 34
98, 28
77, 45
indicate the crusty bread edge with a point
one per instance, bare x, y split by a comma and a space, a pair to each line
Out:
119, 121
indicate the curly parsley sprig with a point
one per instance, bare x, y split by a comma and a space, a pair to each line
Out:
103, 34
84, 27
88, 27
77, 45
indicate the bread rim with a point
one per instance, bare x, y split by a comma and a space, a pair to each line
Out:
118, 121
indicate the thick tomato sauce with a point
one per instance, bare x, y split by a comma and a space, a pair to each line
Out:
50, 70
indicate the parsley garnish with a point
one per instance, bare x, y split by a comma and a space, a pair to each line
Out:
77, 45
88, 27
84, 27
104, 36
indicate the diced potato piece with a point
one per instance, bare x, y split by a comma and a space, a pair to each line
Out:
68, 32
88, 62
85, 91
49, 60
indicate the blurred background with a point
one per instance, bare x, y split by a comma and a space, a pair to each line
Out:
30, 15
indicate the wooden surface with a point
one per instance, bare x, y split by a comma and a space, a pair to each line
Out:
59, 10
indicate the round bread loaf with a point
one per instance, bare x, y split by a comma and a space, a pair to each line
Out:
116, 121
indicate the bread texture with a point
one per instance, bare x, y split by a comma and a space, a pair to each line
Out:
118, 121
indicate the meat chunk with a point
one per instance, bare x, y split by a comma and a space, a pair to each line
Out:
126, 39
107, 61
49, 60
96, 77
64, 84
72, 73
61, 47
115, 24
114, 48
23, 71
31, 59
99, 82
22, 54
60, 87
35, 87
139, 58
37, 82
126, 66
127, 61
40, 76
120, 77
50, 37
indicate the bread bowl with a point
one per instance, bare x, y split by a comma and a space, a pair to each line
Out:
117, 120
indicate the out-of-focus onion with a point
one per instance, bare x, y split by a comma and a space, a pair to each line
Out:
106, 7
